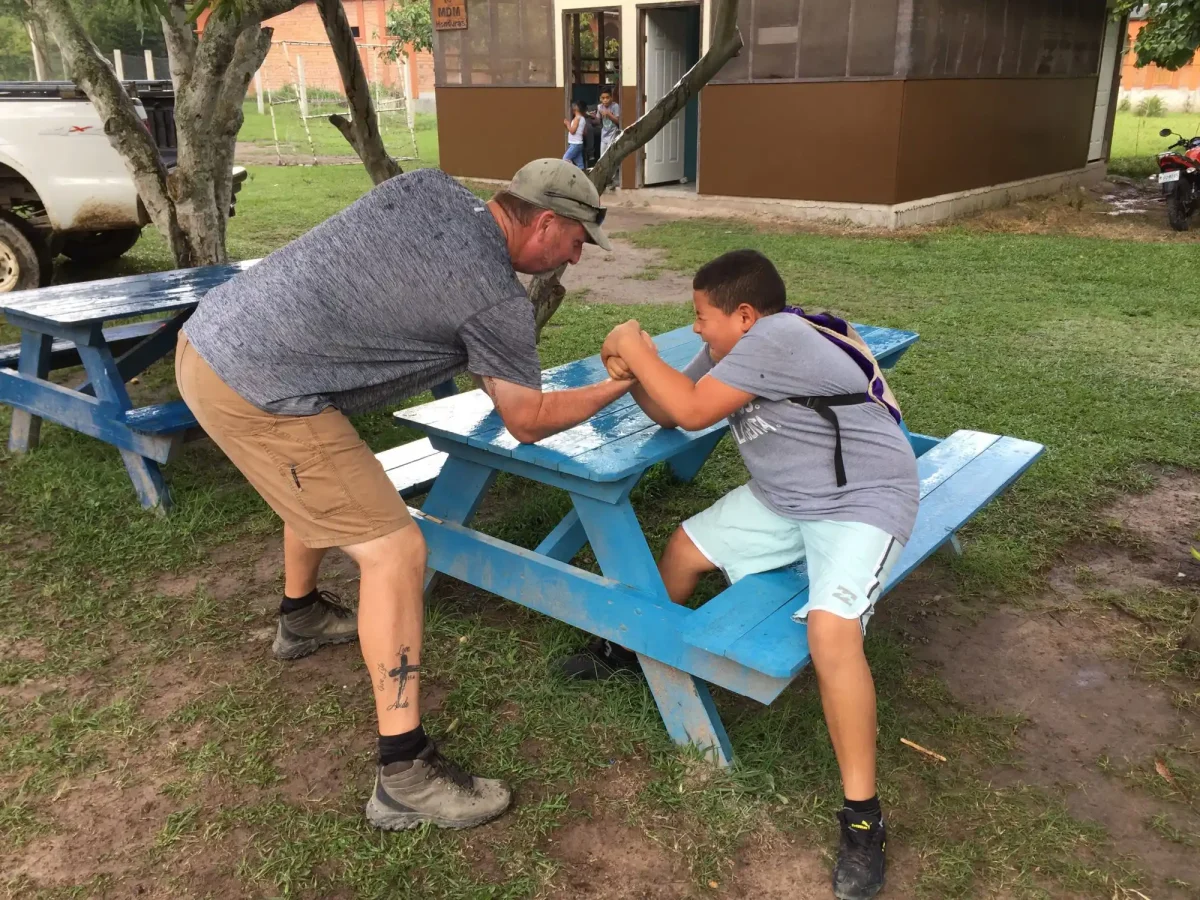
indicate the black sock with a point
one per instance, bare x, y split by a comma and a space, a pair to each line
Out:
401, 747
867, 809
293, 604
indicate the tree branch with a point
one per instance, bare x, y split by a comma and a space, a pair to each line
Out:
124, 128
181, 43
362, 131
545, 292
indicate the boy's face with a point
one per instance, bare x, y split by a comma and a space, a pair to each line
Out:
721, 330
606, 98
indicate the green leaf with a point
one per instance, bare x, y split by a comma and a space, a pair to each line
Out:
1196, 553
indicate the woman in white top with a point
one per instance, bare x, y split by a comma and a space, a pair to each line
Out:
575, 130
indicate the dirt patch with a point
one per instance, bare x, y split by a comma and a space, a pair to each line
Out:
1086, 710
604, 859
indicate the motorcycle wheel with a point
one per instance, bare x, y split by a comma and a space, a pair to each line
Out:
1179, 206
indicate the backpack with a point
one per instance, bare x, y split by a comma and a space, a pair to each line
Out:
842, 334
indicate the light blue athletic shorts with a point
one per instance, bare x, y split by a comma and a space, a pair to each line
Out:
848, 562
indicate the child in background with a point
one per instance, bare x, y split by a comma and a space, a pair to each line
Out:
576, 127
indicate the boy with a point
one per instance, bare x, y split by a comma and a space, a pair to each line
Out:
755, 359
609, 114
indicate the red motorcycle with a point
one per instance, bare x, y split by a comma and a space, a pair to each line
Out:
1179, 175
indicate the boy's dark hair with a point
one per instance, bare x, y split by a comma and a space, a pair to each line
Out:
606, 90
520, 211
742, 276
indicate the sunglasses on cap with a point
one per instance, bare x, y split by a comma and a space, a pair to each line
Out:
599, 212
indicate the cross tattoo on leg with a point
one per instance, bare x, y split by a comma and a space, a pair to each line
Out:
401, 674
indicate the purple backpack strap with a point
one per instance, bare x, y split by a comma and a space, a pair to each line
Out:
868, 365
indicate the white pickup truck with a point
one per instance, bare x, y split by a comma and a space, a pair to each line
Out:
63, 188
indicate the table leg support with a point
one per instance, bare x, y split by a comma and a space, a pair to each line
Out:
34, 360
687, 465
688, 710
455, 497
147, 481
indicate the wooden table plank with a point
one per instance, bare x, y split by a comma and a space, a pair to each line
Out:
120, 298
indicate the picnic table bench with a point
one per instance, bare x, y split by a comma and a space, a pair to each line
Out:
743, 639
67, 326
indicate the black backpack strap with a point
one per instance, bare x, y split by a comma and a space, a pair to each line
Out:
822, 406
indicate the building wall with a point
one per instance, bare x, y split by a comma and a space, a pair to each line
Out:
830, 141
320, 67
959, 134
490, 132
1151, 77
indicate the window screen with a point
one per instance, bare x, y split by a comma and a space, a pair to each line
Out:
506, 42
797, 40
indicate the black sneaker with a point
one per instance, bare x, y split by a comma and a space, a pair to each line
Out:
599, 661
858, 874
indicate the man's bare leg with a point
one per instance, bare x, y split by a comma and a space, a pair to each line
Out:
300, 565
414, 783
391, 616
307, 620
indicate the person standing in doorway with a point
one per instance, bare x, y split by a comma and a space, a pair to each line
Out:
576, 127
609, 112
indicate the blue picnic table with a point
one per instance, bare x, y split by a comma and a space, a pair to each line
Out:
65, 326
743, 639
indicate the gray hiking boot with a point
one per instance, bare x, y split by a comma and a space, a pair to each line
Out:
325, 622
433, 789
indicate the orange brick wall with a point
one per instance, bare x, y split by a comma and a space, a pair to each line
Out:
320, 67
1151, 77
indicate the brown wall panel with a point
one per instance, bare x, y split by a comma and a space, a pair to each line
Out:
958, 134
490, 132
832, 141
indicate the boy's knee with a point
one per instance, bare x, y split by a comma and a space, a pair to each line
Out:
832, 639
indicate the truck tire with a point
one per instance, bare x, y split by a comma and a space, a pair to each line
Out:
99, 246
23, 265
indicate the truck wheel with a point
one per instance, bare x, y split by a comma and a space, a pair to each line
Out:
99, 246
22, 266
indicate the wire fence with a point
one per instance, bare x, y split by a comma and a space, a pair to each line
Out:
299, 86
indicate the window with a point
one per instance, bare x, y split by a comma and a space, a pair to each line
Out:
506, 42
799, 40
354, 30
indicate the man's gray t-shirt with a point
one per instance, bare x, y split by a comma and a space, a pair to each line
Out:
788, 448
405, 288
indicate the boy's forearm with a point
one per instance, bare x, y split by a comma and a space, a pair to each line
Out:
669, 391
656, 413
561, 410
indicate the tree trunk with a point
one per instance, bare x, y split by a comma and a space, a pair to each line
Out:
37, 43
362, 131
121, 123
546, 292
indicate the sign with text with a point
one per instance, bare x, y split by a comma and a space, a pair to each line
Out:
449, 15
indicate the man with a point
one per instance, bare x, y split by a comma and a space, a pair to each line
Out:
405, 288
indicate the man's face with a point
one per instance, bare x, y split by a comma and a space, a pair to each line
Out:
720, 330
551, 241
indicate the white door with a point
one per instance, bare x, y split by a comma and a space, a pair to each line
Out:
666, 47
1109, 55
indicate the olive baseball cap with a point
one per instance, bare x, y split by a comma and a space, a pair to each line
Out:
564, 189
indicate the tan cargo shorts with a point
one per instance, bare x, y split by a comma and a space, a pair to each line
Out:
317, 474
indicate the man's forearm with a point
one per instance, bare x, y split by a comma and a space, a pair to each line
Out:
561, 410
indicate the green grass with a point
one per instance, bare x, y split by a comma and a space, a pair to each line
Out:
1136, 141
323, 139
1089, 346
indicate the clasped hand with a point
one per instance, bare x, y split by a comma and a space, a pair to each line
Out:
618, 338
